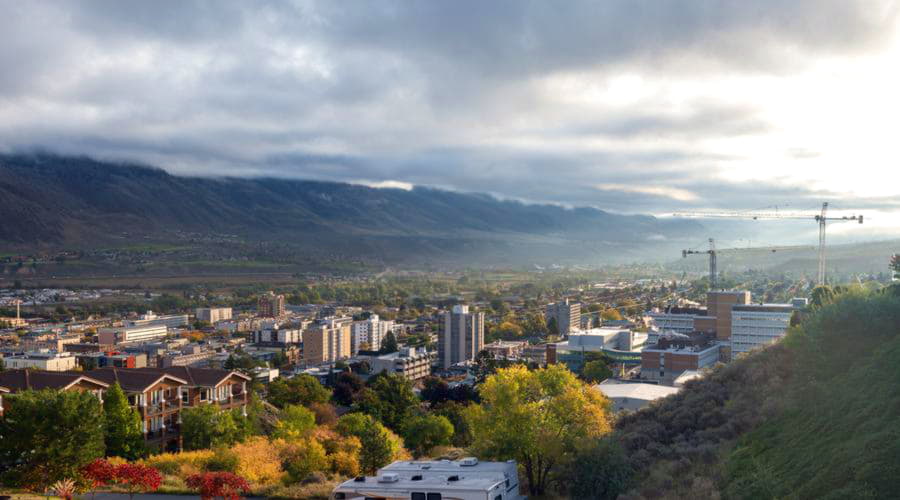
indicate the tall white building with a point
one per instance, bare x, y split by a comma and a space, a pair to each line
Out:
370, 331
462, 336
754, 325
120, 335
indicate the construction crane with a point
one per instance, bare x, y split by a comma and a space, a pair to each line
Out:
713, 253
821, 219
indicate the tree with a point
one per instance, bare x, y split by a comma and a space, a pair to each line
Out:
243, 363
300, 390
611, 314
552, 327
47, 436
435, 390
301, 458
98, 473
346, 387
455, 414
821, 295
389, 344
137, 478
206, 426
423, 433
218, 484
538, 418
124, 434
294, 422
396, 397
596, 371
378, 447
601, 471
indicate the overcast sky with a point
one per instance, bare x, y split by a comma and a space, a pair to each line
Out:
633, 106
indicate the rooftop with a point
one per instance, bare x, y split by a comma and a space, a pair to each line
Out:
645, 392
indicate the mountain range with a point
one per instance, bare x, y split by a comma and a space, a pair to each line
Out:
64, 202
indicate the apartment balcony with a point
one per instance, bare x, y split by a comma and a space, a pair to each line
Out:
234, 401
162, 408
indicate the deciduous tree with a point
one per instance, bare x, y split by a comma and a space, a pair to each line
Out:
538, 418
300, 390
423, 433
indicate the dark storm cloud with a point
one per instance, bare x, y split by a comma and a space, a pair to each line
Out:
447, 94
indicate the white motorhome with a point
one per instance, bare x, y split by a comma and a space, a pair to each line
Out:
466, 479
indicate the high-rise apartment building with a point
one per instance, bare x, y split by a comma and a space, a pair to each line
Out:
327, 341
566, 314
462, 336
270, 305
370, 332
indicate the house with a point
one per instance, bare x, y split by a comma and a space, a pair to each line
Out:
228, 389
13, 381
157, 397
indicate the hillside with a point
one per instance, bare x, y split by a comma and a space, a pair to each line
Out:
69, 202
817, 416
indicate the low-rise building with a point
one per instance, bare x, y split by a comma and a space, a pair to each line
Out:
506, 349
169, 321
466, 479
756, 325
42, 360
129, 334
212, 315
275, 335
412, 363
675, 353
633, 396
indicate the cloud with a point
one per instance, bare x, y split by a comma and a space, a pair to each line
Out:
664, 191
632, 105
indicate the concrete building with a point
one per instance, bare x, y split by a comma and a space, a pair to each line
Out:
412, 363
126, 334
213, 315
49, 341
169, 321
371, 332
676, 319
566, 314
461, 337
327, 341
506, 349
675, 354
755, 325
270, 305
276, 335
719, 304
47, 360
466, 479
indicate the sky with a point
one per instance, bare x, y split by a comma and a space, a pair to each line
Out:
630, 106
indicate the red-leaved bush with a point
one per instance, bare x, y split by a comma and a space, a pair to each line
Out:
137, 478
99, 473
218, 484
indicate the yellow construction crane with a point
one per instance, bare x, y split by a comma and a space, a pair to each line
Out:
821, 219
713, 253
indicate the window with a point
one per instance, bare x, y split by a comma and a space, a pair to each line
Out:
434, 496
417, 496
498, 497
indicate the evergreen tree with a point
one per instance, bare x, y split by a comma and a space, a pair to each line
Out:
390, 344
124, 435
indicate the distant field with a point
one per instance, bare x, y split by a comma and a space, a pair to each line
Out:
170, 282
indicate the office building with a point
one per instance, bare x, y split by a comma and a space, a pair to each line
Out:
432, 480
169, 321
327, 341
567, 316
213, 315
755, 325
462, 336
369, 332
128, 334
270, 305
675, 353
44, 359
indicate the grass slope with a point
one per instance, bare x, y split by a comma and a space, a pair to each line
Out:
816, 416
